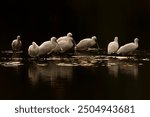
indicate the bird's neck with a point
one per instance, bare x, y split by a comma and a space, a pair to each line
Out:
116, 41
53, 42
35, 46
136, 43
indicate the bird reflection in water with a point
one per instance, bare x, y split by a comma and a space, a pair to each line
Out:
56, 77
12, 59
113, 67
49, 72
120, 66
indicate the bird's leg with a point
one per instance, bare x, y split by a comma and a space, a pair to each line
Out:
75, 51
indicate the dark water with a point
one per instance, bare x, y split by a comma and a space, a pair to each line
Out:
76, 77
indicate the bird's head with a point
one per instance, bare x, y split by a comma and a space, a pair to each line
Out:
34, 44
53, 39
116, 39
18, 37
94, 37
136, 40
69, 34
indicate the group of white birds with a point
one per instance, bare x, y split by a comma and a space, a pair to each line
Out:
113, 47
66, 43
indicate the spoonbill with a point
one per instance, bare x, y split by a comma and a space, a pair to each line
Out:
86, 43
130, 47
47, 47
66, 43
33, 50
16, 44
69, 35
113, 46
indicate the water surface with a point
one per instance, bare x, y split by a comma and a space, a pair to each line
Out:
84, 76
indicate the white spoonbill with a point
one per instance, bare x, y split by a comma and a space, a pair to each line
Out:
66, 43
16, 44
130, 47
86, 43
113, 46
69, 35
33, 50
47, 47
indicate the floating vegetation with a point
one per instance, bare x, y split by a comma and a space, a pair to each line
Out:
67, 64
11, 64
13, 59
140, 64
42, 64
146, 59
111, 64
10, 52
87, 64
75, 64
54, 58
88, 58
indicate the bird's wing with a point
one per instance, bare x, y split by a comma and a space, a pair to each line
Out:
83, 43
61, 38
127, 48
113, 46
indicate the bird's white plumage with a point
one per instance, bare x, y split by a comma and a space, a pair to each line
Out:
65, 42
47, 47
33, 50
16, 44
69, 35
113, 46
86, 43
127, 48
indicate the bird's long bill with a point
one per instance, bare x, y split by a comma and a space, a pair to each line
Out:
97, 44
59, 46
74, 42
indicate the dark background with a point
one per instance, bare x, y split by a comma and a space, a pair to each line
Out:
38, 21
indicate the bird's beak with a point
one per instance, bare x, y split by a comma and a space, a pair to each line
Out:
74, 42
59, 46
97, 45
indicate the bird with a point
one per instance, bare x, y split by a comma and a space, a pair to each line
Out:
86, 43
65, 37
128, 48
113, 46
16, 44
47, 47
33, 50
66, 43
